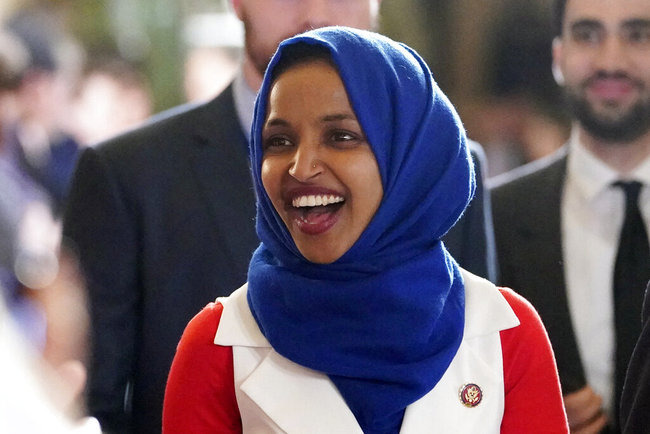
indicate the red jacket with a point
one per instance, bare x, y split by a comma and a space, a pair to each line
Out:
205, 395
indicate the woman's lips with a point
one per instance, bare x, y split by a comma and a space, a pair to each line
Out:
316, 221
314, 214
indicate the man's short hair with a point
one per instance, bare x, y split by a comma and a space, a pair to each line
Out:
558, 16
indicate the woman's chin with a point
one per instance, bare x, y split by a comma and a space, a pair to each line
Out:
320, 253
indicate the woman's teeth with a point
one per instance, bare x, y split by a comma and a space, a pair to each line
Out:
316, 200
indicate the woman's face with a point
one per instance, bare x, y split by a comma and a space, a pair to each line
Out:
317, 167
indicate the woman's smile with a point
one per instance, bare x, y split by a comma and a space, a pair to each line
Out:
314, 212
318, 168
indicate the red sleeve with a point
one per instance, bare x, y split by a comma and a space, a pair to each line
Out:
533, 398
200, 393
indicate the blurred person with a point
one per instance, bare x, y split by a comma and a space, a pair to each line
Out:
163, 219
28, 231
37, 143
42, 387
571, 230
519, 121
513, 132
43, 315
14, 59
112, 96
208, 71
42, 301
35, 398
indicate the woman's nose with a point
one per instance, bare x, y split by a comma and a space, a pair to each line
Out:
305, 164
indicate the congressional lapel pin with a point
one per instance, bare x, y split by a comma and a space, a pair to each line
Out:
470, 395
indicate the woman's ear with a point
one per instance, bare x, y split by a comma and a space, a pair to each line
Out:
557, 56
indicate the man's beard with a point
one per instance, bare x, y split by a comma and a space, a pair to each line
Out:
259, 53
258, 57
623, 126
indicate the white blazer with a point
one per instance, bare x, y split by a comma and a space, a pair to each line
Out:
276, 395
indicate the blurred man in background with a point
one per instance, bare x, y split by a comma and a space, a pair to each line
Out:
43, 314
111, 96
571, 230
37, 143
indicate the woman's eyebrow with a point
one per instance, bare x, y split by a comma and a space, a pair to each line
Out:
276, 122
338, 117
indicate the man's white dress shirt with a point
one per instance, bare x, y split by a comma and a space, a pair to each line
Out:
592, 214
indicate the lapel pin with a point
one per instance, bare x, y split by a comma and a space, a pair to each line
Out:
470, 395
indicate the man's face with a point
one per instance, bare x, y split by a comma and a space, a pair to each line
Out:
604, 57
268, 22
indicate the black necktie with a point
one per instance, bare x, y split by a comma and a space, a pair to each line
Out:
631, 275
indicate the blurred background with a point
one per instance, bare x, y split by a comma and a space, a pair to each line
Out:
492, 57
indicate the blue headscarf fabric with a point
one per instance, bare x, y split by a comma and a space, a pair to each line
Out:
385, 320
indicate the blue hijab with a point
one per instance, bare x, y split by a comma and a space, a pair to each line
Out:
385, 320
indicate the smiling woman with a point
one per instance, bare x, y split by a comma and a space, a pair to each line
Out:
318, 169
355, 317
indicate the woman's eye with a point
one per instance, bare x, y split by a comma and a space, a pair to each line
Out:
276, 142
344, 139
342, 136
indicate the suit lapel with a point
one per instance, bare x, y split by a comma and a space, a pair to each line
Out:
302, 399
478, 361
295, 398
540, 242
541, 230
441, 410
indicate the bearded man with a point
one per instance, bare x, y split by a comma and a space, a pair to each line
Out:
563, 225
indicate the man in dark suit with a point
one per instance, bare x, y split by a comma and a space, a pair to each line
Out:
557, 221
163, 220
635, 401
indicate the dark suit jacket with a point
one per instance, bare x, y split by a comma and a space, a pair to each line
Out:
635, 401
471, 240
163, 219
527, 228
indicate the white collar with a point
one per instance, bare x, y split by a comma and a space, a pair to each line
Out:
314, 400
237, 326
244, 98
591, 176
